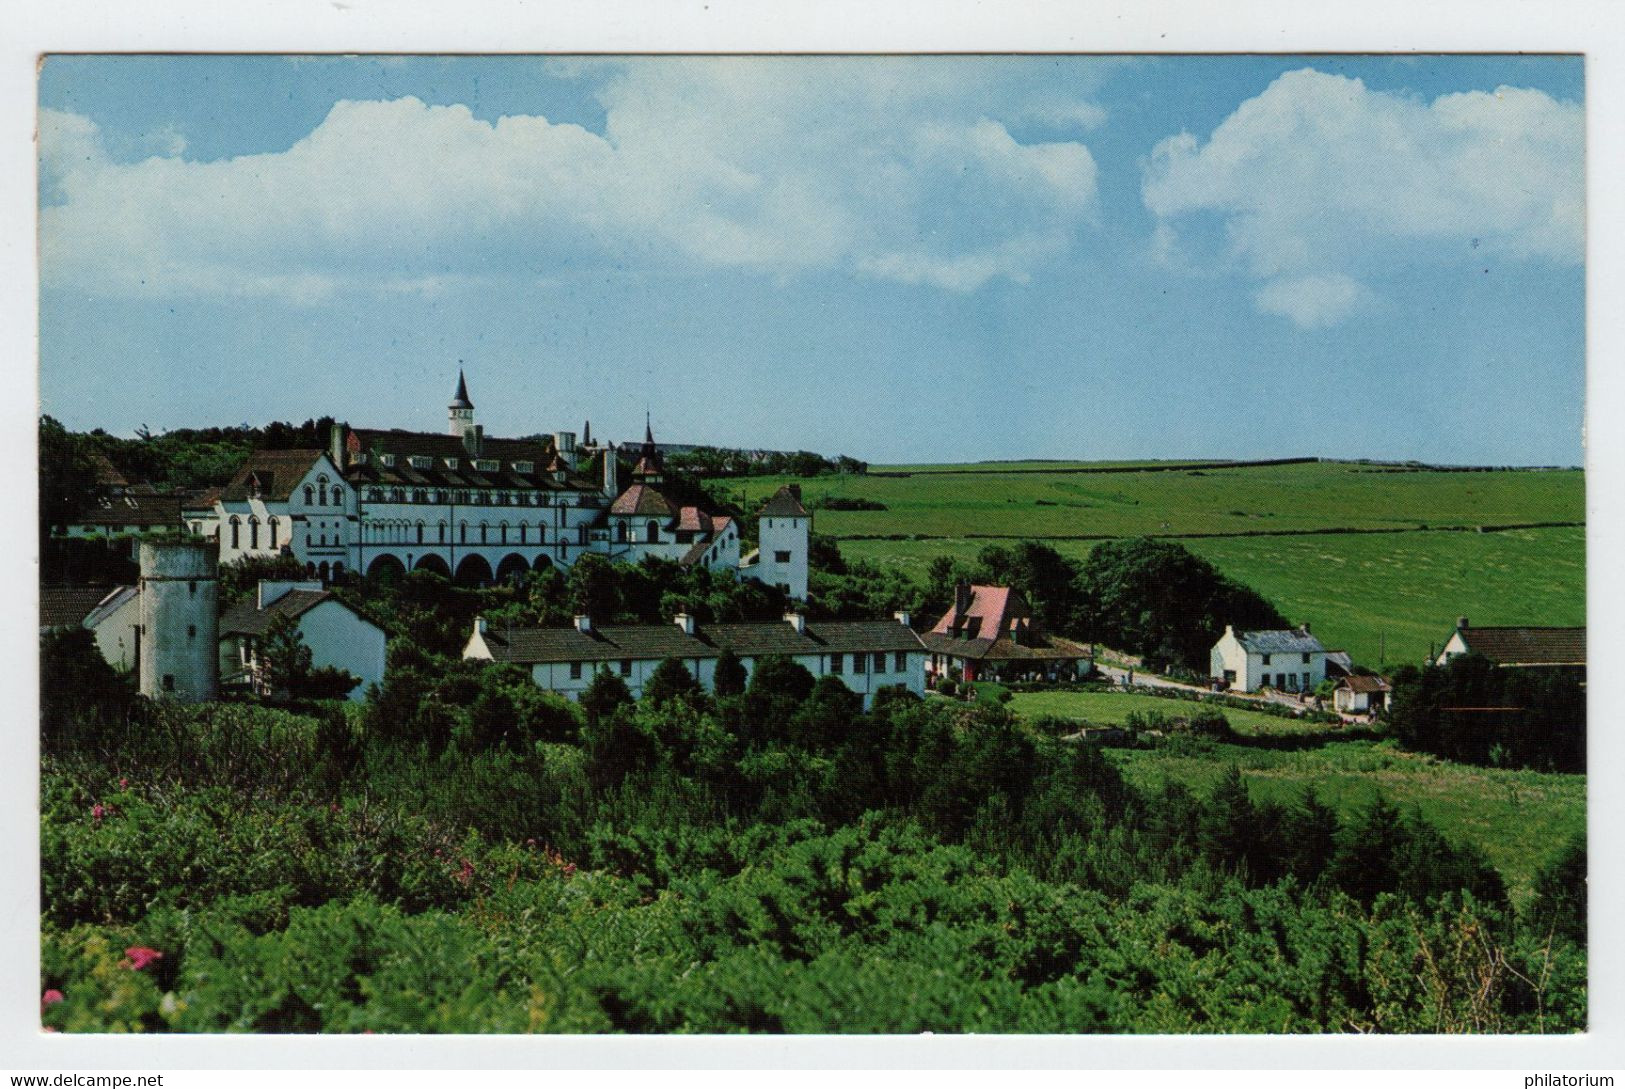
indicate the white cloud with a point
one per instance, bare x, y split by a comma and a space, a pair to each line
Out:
1318, 180
888, 170
1313, 302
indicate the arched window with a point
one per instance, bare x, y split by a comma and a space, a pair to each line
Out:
502, 533
484, 530
521, 533
310, 496
236, 533
420, 496
581, 531
273, 533
338, 499
398, 495
620, 532
420, 533
541, 534
442, 529
323, 494
253, 532
652, 532
338, 568
462, 532
321, 571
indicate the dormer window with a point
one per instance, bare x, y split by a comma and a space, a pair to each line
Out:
524, 466
487, 465
451, 463
387, 460
420, 461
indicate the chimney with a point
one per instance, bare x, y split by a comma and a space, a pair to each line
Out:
583, 623
1305, 627
335, 446
474, 440
481, 625
962, 596
1461, 623
903, 618
612, 471
797, 621
686, 622
1230, 629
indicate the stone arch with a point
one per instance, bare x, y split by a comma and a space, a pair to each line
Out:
386, 568
512, 568
473, 571
435, 564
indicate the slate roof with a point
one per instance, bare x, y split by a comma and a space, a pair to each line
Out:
1004, 649
786, 503
643, 501
279, 473
1528, 646
402, 445
67, 606
1295, 641
528, 646
133, 510
246, 618
109, 604
1358, 683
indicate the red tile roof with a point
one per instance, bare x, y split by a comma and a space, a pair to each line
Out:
643, 501
993, 611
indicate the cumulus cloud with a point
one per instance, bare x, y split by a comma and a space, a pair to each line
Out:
886, 170
1318, 181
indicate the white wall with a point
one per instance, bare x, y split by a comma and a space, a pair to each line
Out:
338, 637
776, 535
116, 634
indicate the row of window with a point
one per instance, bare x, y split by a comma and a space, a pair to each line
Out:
860, 664
502, 533
1305, 659
318, 495
472, 498
253, 532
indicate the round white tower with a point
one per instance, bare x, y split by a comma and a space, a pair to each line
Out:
180, 626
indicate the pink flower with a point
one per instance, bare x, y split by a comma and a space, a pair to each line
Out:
123, 783
97, 812
141, 956
49, 998
569, 869
466, 874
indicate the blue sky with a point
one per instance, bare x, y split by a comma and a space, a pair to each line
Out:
918, 259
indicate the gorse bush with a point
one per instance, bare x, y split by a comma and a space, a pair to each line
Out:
455, 856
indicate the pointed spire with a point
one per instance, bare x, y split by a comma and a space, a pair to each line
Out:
648, 431
586, 433
460, 398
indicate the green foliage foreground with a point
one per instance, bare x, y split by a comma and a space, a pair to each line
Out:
774, 861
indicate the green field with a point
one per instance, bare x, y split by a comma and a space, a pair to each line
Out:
1519, 819
1384, 597
1231, 500
1113, 709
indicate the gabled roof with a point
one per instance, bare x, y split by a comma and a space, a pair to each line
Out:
67, 606
1274, 641
278, 472
246, 618
110, 604
1528, 646
642, 500
1355, 682
992, 611
438, 448
528, 646
785, 503
107, 473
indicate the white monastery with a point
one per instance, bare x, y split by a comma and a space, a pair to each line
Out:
477, 509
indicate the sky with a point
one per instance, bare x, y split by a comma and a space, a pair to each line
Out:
901, 259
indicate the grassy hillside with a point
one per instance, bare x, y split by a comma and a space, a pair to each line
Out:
1519, 819
1385, 594
1113, 709
1253, 499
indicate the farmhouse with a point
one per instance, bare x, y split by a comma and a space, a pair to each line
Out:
1357, 694
991, 634
336, 634
867, 655
1291, 660
472, 508
125, 508
1518, 648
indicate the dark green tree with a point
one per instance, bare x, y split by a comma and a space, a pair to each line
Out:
604, 696
729, 679
671, 680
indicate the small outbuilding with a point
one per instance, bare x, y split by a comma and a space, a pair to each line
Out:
1361, 695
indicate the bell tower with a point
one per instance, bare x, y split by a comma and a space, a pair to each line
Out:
461, 410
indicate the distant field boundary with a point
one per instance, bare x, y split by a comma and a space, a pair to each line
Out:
993, 469
1330, 531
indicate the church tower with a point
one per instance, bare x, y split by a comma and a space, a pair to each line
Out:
784, 530
649, 469
461, 410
